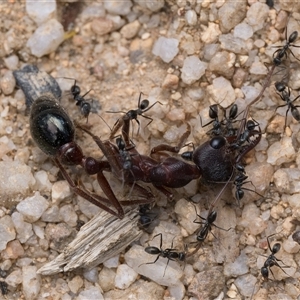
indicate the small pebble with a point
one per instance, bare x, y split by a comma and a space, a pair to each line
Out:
118, 7
90, 293
14, 278
125, 276
24, 229
257, 15
11, 62
281, 152
245, 284
41, 12
191, 17
130, 30
231, 14
33, 207
170, 82
60, 190
7, 231
107, 279
193, 69
75, 284
153, 5
243, 31
51, 215
31, 282
238, 267
102, 26
221, 91
7, 83
68, 215
166, 48
46, 38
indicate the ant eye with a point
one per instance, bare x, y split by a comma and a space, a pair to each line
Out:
144, 104
217, 142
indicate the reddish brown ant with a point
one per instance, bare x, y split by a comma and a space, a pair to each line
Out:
53, 131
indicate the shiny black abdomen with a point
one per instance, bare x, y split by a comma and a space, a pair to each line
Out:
50, 125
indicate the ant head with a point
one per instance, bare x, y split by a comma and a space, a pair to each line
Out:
75, 89
250, 125
213, 111
280, 86
217, 142
144, 104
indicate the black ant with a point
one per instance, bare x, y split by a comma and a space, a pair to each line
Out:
53, 131
223, 127
148, 218
285, 94
85, 106
282, 53
207, 225
272, 260
3, 287
169, 253
132, 114
216, 127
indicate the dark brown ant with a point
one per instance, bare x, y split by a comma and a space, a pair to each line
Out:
285, 94
169, 253
171, 172
132, 114
272, 260
53, 131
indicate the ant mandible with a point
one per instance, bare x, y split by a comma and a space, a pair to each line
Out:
169, 253
53, 131
272, 260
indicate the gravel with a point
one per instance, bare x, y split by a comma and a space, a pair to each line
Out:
187, 55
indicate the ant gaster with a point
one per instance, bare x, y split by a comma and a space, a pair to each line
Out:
53, 131
272, 260
170, 253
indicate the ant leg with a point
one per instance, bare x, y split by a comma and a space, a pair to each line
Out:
95, 199
168, 194
173, 149
109, 192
